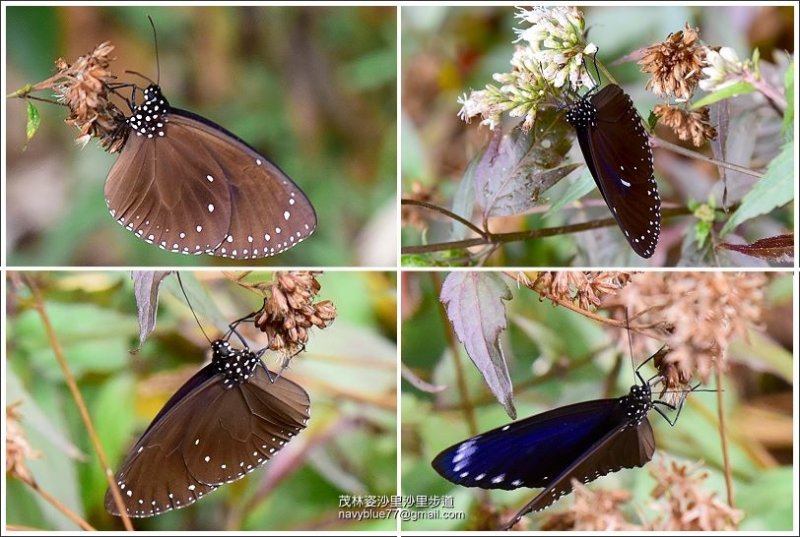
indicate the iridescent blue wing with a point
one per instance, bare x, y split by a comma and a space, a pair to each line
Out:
530, 452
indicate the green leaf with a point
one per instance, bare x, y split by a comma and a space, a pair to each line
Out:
775, 189
740, 88
767, 500
576, 191
94, 339
788, 114
34, 120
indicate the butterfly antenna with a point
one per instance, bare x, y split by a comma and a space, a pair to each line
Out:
155, 41
596, 70
186, 296
630, 341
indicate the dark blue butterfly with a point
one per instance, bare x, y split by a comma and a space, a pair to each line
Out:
582, 441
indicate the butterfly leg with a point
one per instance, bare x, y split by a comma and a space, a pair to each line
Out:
674, 420
232, 327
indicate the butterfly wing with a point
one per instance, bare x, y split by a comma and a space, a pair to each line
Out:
160, 192
248, 425
628, 446
194, 187
529, 452
269, 213
153, 478
238, 430
618, 154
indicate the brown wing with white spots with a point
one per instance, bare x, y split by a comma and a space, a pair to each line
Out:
189, 186
153, 478
630, 447
269, 212
148, 194
243, 441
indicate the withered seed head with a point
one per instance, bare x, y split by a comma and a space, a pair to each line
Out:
289, 311
675, 64
83, 86
688, 124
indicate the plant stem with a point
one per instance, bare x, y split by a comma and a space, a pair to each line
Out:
58, 351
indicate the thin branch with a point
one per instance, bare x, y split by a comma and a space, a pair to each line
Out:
659, 142
586, 313
497, 238
58, 351
448, 213
724, 439
66, 511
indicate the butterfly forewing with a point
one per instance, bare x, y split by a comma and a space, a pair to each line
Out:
521, 454
617, 152
153, 478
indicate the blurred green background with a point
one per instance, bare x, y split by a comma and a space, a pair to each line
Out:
348, 369
313, 89
557, 357
449, 51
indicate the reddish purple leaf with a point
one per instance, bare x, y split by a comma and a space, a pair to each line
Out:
516, 168
474, 303
779, 248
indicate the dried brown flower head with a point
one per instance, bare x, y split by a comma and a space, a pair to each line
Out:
675, 64
592, 510
684, 503
688, 124
584, 289
18, 450
696, 313
412, 215
289, 312
84, 87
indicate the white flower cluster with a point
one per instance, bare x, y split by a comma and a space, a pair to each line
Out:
724, 68
554, 54
556, 40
